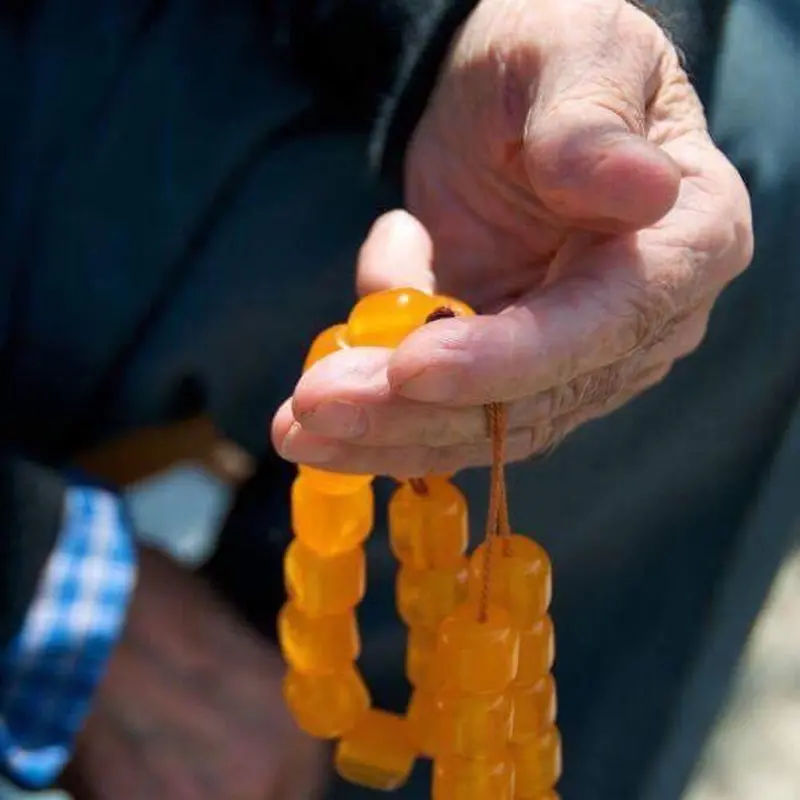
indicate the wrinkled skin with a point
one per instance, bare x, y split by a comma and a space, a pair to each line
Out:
563, 181
191, 707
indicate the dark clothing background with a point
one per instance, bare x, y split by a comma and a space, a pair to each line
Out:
183, 187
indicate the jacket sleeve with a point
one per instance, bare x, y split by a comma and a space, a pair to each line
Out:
376, 61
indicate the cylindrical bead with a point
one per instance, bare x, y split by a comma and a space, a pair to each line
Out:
321, 585
521, 578
470, 725
543, 796
420, 716
318, 645
384, 319
377, 753
458, 307
324, 482
421, 658
473, 779
331, 523
537, 650
426, 597
537, 765
475, 656
534, 709
326, 706
326, 343
429, 531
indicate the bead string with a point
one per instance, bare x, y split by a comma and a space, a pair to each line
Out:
419, 486
497, 520
437, 588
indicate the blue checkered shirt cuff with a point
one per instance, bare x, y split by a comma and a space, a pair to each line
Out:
50, 670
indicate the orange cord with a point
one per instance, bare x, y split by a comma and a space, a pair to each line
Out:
497, 519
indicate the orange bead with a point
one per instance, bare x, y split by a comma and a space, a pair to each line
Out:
326, 706
537, 765
420, 716
384, 319
420, 658
431, 530
325, 482
318, 645
327, 343
331, 523
460, 308
534, 709
470, 725
378, 753
425, 597
477, 656
522, 581
473, 779
321, 585
537, 651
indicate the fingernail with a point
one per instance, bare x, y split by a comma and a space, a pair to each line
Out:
430, 386
303, 448
338, 419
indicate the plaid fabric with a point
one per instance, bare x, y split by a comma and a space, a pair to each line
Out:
49, 672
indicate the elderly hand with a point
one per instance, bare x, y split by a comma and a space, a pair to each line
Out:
191, 707
563, 181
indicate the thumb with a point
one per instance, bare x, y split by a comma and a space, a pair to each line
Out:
585, 147
397, 254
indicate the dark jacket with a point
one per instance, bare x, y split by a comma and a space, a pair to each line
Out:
71, 324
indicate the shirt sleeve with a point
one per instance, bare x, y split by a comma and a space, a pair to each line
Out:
49, 671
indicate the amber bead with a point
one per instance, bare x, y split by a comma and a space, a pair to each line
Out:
475, 656
326, 706
470, 725
420, 658
420, 715
324, 482
377, 753
425, 597
321, 585
318, 645
429, 531
537, 765
521, 578
473, 779
458, 307
328, 342
534, 709
331, 523
537, 651
384, 319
